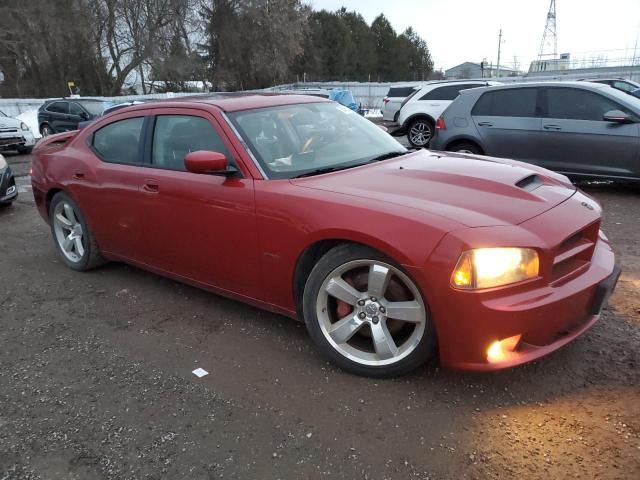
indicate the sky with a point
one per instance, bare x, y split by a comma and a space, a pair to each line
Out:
457, 31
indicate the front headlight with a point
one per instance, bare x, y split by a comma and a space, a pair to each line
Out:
493, 267
24, 126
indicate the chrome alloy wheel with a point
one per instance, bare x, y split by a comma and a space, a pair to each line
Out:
377, 324
68, 230
420, 134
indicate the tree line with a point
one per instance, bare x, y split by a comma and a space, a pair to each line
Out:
105, 45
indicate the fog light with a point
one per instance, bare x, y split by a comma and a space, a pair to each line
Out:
501, 350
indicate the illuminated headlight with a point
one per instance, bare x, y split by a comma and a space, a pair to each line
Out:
24, 127
494, 267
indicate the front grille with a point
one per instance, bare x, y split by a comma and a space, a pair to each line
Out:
575, 252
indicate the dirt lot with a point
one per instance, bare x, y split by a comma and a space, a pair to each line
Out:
95, 382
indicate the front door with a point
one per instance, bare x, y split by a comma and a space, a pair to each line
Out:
201, 227
577, 140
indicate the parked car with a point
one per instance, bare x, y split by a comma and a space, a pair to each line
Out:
392, 102
303, 207
577, 128
8, 190
418, 114
63, 114
108, 110
622, 84
15, 135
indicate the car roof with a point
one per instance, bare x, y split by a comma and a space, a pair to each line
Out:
576, 84
234, 102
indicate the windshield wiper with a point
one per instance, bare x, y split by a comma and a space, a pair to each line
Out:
387, 156
319, 171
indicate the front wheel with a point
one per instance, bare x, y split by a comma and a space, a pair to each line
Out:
420, 132
73, 239
366, 315
46, 130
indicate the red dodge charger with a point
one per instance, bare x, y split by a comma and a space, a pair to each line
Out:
300, 206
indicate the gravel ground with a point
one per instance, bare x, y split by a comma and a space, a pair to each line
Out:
96, 382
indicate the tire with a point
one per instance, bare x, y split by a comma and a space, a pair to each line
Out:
357, 332
466, 147
69, 228
46, 130
420, 132
25, 150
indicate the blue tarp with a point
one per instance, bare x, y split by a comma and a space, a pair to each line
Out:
344, 97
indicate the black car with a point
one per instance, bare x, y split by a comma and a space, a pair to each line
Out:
8, 189
62, 115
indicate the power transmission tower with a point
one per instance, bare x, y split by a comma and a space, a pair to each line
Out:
550, 36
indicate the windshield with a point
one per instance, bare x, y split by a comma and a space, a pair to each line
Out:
95, 108
294, 140
627, 100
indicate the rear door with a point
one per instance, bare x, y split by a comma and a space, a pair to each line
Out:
577, 140
58, 113
108, 187
509, 123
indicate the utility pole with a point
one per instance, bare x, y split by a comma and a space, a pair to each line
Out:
499, 45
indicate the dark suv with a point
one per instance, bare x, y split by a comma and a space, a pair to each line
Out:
62, 115
577, 128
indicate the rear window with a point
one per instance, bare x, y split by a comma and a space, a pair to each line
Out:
400, 92
95, 108
519, 102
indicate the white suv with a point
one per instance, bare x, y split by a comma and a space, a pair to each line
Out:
418, 113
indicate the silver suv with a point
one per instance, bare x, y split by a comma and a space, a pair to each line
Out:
576, 128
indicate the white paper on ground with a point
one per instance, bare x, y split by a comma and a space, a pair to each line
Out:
200, 372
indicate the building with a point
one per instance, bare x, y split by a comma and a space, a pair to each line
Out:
475, 70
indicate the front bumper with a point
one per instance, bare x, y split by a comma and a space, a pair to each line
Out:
21, 139
8, 188
542, 314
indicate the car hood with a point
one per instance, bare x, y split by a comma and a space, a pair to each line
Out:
475, 191
8, 122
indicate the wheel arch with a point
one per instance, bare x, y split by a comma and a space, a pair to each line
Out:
464, 139
416, 116
318, 247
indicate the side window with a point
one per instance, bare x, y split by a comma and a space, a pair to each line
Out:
119, 142
75, 109
400, 92
176, 135
624, 86
520, 102
576, 104
448, 93
58, 107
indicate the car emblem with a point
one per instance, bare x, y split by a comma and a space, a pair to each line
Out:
587, 205
371, 309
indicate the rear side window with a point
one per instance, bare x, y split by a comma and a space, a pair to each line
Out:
624, 86
119, 142
177, 135
576, 104
447, 93
400, 92
58, 107
520, 102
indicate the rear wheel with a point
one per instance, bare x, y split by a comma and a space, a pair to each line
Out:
420, 132
366, 315
466, 147
46, 130
71, 234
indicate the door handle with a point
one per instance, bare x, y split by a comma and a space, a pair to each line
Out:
78, 175
485, 124
151, 186
552, 127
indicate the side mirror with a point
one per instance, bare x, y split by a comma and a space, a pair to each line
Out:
207, 162
616, 116
84, 115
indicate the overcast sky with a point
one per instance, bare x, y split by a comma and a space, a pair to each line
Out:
467, 30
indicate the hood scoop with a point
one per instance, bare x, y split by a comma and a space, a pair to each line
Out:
530, 183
